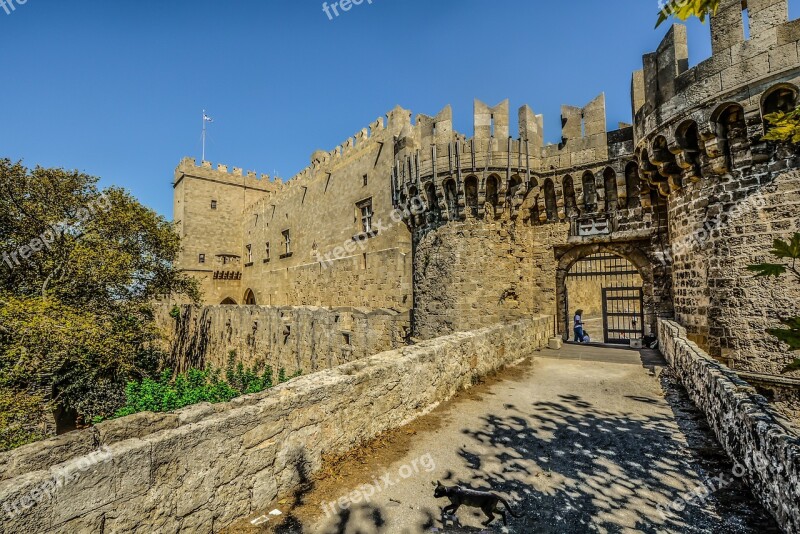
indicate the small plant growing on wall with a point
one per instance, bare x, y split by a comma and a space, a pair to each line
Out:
790, 253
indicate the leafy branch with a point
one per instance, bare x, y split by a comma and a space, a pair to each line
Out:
784, 126
684, 9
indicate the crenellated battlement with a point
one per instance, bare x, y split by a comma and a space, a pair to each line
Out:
432, 158
250, 179
708, 120
322, 161
584, 140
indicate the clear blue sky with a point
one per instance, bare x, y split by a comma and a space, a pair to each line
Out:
116, 88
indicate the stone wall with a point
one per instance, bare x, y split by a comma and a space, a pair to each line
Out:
303, 241
751, 432
200, 468
718, 227
699, 141
474, 273
292, 337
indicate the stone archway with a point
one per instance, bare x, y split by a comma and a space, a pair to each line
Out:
249, 298
632, 252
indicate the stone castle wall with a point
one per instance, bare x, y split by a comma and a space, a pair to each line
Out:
473, 274
200, 468
294, 338
208, 214
698, 141
750, 431
330, 260
725, 308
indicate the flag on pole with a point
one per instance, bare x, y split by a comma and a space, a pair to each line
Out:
207, 118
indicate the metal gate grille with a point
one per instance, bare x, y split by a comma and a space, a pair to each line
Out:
616, 302
623, 316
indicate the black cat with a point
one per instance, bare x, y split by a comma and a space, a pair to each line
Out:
486, 501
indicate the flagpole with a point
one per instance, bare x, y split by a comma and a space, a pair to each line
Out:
204, 136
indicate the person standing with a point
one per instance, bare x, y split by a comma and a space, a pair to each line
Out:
579, 326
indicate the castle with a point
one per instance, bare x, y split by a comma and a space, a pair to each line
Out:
411, 262
465, 232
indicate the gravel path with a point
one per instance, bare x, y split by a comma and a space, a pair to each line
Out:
585, 439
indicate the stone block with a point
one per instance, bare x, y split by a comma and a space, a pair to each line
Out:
555, 343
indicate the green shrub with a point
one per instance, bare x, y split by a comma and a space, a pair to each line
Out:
166, 393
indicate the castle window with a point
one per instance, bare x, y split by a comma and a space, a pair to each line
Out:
632, 185
780, 99
266, 253
249, 254
366, 179
202, 258
213, 204
365, 209
550, 200
287, 244
589, 192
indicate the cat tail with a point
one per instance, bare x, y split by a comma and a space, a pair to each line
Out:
510, 511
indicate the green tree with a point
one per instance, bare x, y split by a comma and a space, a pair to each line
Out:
790, 253
79, 271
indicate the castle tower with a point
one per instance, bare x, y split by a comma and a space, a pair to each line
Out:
208, 211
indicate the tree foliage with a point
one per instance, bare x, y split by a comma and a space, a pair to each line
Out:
684, 9
80, 268
17, 409
784, 126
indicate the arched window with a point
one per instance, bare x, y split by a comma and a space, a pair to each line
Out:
451, 198
610, 186
633, 188
515, 186
781, 98
431, 198
249, 298
492, 184
730, 129
589, 192
570, 203
550, 200
471, 194
228, 302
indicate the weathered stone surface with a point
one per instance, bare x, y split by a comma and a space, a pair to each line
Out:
745, 424
45, 454
292, 337
246, 454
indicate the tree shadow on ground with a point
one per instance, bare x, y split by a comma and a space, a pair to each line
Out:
361, 518
573, 467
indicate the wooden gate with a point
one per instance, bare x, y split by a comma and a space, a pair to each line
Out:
623, 315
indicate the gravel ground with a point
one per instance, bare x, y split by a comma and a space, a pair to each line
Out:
585, 439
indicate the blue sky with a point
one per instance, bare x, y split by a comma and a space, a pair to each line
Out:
116, 88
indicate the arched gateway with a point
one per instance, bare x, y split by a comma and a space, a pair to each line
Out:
614, 285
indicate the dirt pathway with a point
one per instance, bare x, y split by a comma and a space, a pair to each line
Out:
584, 439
